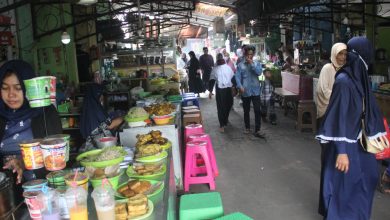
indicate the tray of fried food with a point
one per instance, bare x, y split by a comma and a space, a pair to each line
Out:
136, 208
153, 137
134, 187
143, 139
147, 168
148, 150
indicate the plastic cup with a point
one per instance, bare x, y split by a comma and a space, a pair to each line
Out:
54, 153
81, 180
37, 88
104, 202
49, 205
66, 138
64, 212
33, 204
32, 154
56, 179
76, 200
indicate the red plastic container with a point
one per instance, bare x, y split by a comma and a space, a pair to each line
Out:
386, 153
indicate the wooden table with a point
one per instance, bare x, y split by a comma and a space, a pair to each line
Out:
284, 96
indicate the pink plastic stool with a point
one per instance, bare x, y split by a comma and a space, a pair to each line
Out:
192, 129
210, 150
194, 148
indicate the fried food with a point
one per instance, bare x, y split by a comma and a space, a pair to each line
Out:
147, 169
143, 139
155, 134
120, 211
148, 150
160, 109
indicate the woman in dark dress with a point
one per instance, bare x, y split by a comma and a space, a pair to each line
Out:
194, 81
350, 174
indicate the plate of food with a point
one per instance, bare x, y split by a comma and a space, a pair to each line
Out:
153, 137
150, 188
146, 171
153, 158
102, 158
135, 208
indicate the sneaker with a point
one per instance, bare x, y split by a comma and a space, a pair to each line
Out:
247, 131
259, 134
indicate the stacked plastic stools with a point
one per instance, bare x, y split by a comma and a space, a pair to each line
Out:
210, 151
193, 149
235, 216
201, 206
192, 129
190, 100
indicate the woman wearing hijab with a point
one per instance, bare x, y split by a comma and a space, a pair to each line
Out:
222, 76
350, 174
19, 122
324, 90
194, 81
95, 122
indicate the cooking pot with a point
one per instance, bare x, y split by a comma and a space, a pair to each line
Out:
7, 198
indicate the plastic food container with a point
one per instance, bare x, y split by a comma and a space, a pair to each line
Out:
54, 153
81, 180
66, 138
34, 185
114, 181
106, 142
32, 154
162, 120
56, 179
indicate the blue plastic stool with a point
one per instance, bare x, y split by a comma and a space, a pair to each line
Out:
201, 206
189, 100
235, 216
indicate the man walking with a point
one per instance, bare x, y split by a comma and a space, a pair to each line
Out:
206, 62
248, 83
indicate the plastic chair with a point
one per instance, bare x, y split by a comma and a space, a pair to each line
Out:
187, 101
192, 129
194, 148
210, 150
201, 206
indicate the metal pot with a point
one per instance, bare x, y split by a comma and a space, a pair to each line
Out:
7, 198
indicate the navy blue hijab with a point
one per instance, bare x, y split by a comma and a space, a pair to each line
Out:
23, 71
93, 113
342, 120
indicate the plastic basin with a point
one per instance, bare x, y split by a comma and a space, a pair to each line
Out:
114, 181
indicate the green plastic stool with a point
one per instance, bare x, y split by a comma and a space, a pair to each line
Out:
201, 206
235, 216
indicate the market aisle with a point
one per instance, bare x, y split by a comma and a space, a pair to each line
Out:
269, 180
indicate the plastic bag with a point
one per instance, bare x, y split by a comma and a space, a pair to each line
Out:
386, 153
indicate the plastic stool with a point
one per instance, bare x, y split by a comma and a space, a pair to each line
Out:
194, 148
188, 100
235, 216
189, 94
307, 106
191, 111
192, 129
192, 119
190, 107
210, 150
200, 206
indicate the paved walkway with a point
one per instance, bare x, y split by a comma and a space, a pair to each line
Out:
269, 180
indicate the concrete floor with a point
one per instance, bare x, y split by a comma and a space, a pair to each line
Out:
269, 180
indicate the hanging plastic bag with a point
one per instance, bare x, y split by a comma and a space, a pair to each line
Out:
386, 153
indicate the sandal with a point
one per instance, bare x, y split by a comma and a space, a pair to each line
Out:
247, 131
260, 134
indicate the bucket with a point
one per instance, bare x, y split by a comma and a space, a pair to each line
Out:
54, 153
38, 88
39, 103
82, 180
33, 204
32, 154
66, 138
56, 179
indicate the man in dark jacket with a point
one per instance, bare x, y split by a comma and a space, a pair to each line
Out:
206, 62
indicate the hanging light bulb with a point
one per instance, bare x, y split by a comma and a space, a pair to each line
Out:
65, 38
151, 16
268, 34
